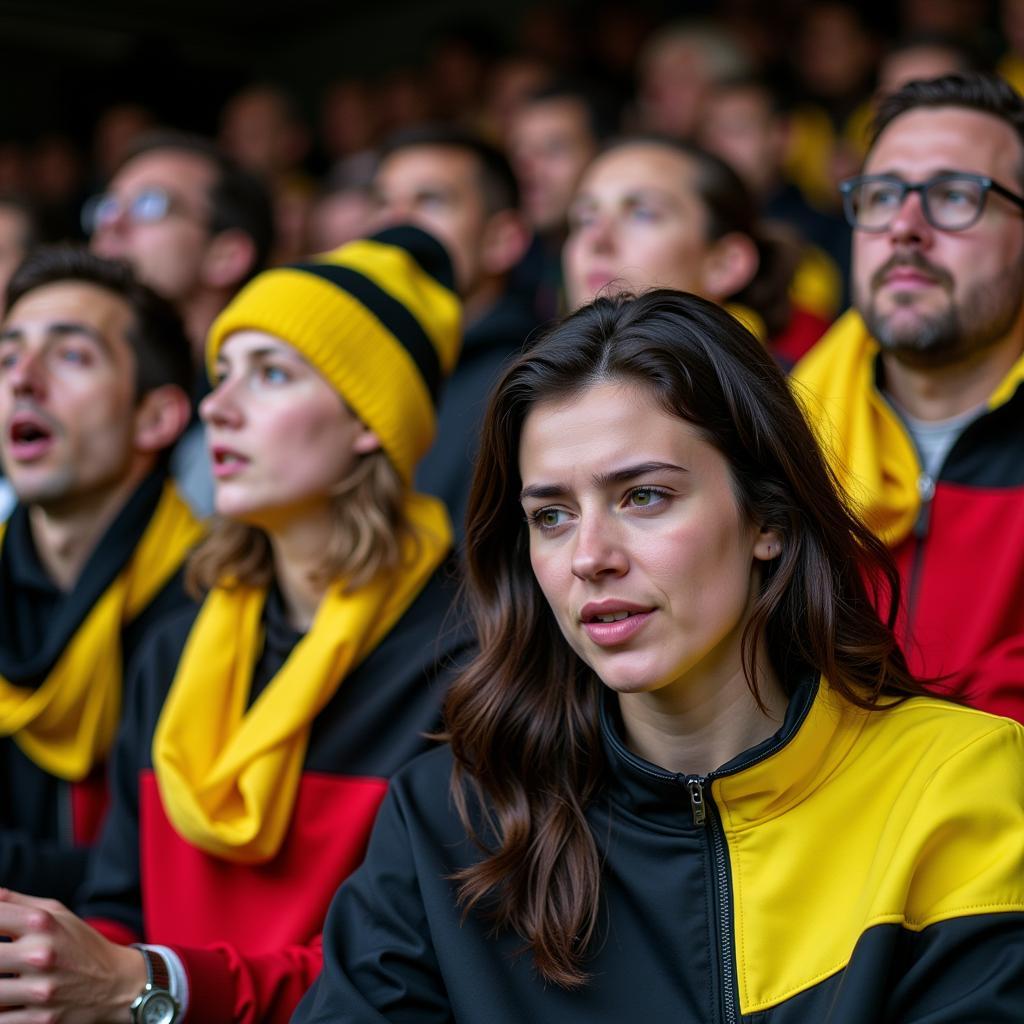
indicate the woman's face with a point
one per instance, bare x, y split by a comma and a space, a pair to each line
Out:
280, 437
637, 540
637, 222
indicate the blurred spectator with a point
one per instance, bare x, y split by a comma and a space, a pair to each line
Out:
13, 169
463, 190
653, 213
19, 231
836, 55
552, 139
349, 119
345, 208
677, 69
747, 125
509, 84
458, 70
1011, 64
55, 182
405, 99
262, 128
195, 227
117, 130
921, 57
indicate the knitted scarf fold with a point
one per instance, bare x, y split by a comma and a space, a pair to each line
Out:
67, 724
228, 773
867, 445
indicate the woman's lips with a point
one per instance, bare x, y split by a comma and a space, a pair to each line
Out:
627, 620
227, 463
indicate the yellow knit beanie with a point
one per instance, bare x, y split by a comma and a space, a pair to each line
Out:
379, 319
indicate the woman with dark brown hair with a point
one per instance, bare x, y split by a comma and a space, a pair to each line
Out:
689, 777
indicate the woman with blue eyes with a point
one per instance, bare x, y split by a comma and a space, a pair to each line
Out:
655, 213
262, 727
689, 777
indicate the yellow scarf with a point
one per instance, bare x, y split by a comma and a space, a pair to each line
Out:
229, 776
869, 448
67, 724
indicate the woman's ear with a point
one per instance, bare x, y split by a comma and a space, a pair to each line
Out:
768, 545
366, 441
729, 266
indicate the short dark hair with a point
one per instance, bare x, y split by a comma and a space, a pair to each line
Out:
972, 90
239, 200
600, 111
157, 335
497, 180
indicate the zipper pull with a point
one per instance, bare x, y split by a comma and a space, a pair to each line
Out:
926, 491
695, 784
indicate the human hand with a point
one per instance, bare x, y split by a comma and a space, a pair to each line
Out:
56, 969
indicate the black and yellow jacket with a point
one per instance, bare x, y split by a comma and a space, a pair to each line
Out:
52, 781
855, 868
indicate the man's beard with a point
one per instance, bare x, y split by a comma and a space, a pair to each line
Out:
984, 316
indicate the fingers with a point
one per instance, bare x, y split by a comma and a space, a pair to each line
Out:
26, 993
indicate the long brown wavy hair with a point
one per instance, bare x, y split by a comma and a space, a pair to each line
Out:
523, 718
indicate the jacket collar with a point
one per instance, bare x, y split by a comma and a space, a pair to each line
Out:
818, 729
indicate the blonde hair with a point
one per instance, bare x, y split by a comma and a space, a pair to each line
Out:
369, 527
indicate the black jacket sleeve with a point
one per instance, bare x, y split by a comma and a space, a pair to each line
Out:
111, 897
39, 867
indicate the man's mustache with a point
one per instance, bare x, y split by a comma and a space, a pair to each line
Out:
916, 262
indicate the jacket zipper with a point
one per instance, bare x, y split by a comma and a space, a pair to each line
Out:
926, 491
696, 784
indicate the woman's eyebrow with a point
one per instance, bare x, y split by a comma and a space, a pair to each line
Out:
616, 476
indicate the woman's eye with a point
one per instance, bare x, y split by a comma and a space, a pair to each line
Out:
274, 374
645, 497
75, 356
548, 518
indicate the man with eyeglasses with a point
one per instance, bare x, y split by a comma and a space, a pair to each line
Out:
917, 392
195, 227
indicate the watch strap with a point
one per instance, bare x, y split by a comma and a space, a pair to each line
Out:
157, 974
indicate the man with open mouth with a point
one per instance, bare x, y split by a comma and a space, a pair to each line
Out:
94, 378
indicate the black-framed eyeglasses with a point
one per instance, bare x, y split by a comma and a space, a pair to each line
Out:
148, 206
950, 202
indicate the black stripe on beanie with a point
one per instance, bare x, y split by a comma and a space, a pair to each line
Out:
430, 255
391, 313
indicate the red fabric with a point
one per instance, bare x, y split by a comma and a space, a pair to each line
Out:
114, 931
249, 935
258, 908
802, 331
89, 799
966, 604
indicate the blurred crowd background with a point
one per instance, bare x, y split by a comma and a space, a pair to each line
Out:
305, 93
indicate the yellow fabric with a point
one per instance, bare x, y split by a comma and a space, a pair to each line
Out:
346, 342
919, 817
868, 447
751, 320
812, 148
229, 775
1011, 67
817, 285
67, 724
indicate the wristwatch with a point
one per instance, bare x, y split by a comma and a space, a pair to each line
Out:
154, 1004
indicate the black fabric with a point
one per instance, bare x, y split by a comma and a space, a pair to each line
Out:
395, 317
39, 619
373, 724
487, 347
430, 255
38, 853
397, 948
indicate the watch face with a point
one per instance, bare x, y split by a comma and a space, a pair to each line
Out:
158, 1007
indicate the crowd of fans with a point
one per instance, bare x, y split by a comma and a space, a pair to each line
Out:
734, 314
